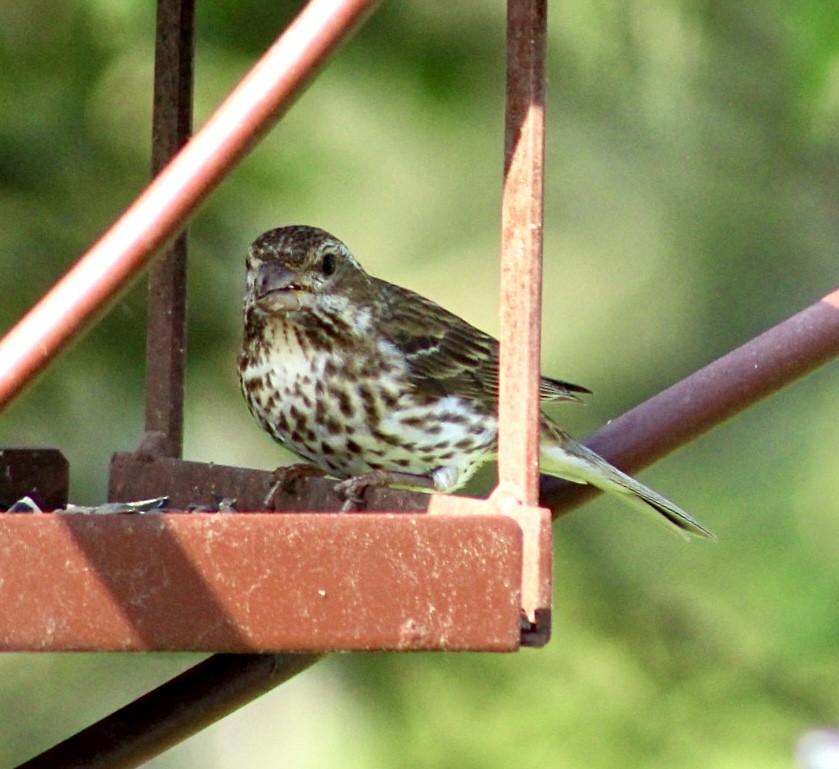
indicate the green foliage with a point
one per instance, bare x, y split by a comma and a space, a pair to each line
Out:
690, 205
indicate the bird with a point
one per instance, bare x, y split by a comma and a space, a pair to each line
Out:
374, 384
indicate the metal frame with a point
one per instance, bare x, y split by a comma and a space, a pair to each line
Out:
224, 682
95, 605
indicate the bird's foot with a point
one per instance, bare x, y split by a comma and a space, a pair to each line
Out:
287, 479
354, 489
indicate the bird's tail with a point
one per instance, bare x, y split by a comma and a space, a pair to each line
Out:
564, 457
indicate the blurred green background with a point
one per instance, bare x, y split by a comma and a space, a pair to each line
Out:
692, 177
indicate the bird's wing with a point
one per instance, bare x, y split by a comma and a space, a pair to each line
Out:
445, 354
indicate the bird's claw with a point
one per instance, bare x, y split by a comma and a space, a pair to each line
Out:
287, 479
354, 490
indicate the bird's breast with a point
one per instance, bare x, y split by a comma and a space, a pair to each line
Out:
352, 409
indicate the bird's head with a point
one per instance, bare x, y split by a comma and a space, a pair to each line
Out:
303, 269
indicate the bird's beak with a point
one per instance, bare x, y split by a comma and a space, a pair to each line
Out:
275, 288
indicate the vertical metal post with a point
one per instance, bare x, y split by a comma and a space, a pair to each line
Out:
521, 253
166, 324
521, 308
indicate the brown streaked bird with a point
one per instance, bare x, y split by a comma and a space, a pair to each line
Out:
374, 383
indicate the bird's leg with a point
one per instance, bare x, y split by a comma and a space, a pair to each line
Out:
287, 478
354, 489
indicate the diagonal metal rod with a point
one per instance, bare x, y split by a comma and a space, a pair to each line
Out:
151, 221
712, 395
166, 314
173, 711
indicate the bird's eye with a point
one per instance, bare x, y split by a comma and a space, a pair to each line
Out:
328, 265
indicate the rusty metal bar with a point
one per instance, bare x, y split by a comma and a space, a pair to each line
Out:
254, 105
139, 476
521, 250
171, 713
713, 394
136, 476
166, 315
521, 306
261, 582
